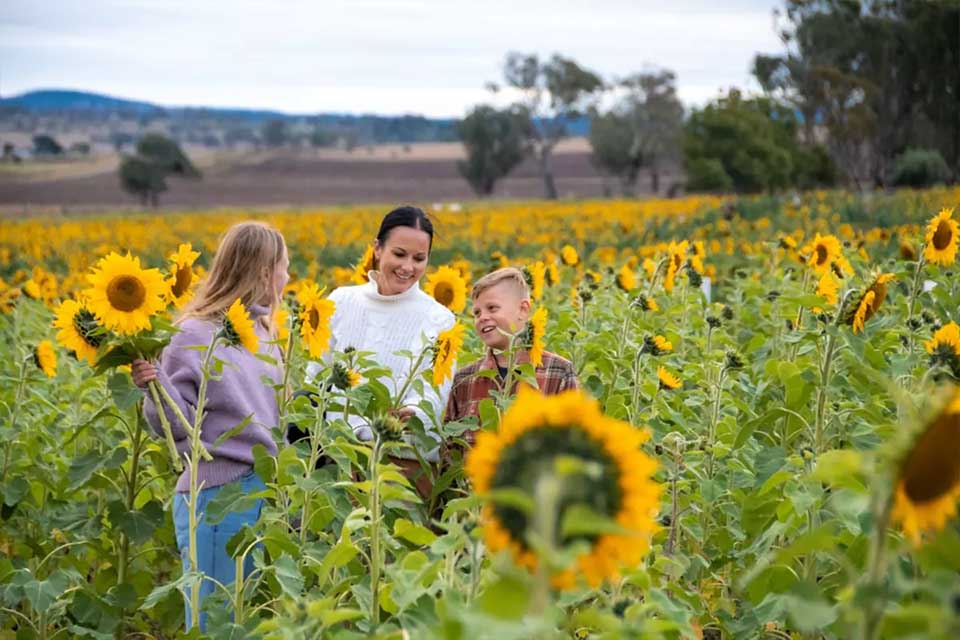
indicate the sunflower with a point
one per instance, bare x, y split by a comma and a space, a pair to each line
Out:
182, 278
656, 345
238, 328
827, 288
821, 252
445, 352
944, 347
625, 279
281, 322
650, 267
678, 255
46, 358
668, 380
447, 287
907, 251
928, 481
498, 260
344, 378
553, 273
464, 267
78, 330
646, 303
537, 332
123, 296
533, 436
569, 256
361, 269
869, 302
315, 314
536, 275
941, 239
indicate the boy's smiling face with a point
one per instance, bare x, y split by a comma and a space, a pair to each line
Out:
502, 307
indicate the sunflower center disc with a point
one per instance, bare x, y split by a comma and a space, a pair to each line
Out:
313, 319
941, 239
933, 467
183, 280
821, 254
443, 293
126, 293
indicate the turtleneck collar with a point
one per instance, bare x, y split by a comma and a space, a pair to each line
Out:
372, 291
257, 311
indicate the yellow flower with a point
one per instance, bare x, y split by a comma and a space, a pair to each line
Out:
46, 358
238, 328
538, 331
928, 482
448, 288
625, 279
646, 303
941, 239
821, 252
362, 268
535, 435
553, 273
569, 256
537, 272
499, 260
678, 254
657, 345
124, 296
667, 379
78, 330
281, 321
829, 289
315, 314
650, 267
947, 336
182, 279
869, 302
445, 352
344, 378
464, 268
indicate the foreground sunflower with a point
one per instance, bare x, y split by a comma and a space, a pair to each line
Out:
821, 252
447, 287
182, 278
366, 265
941, 239
46, 358
869, 302
315, 314
667, 380
445, 352
124, 296
535, 433
238, 328
928, 480
537, 333
78, 330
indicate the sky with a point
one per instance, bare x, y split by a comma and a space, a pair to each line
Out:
429, 57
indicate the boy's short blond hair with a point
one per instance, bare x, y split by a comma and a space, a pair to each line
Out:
511, 275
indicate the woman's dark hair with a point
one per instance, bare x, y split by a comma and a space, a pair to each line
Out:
405, 216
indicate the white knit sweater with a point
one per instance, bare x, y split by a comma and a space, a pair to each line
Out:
368, 321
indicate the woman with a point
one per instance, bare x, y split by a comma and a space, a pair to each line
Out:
251, 265
389, 314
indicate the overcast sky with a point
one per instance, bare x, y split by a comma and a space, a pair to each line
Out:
431, 57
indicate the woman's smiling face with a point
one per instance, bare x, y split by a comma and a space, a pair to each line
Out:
402, 259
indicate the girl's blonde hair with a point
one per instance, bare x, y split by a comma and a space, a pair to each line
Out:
243, 267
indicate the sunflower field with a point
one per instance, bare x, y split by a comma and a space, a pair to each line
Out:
766, 443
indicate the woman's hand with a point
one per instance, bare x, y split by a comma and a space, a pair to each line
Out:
143, 372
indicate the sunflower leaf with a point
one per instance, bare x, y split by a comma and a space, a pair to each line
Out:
513, 497
580, 520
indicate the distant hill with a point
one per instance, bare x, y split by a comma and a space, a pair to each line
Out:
83, 106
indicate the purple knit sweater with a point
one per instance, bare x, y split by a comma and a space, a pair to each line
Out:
243, 390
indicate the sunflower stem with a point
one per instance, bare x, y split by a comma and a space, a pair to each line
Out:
374, 464
714, 417
876, 568
414, 370
21, 384
153, 385
315, 450
914, 293
546, 496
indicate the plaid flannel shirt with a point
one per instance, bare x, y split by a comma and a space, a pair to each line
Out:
556, 374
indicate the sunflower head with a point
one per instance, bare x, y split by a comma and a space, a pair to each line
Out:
445, 350
79, 330
238, 328
447, 287
535, 275
388, 427
367, 264
645, 303
625, 279
656, 345
667, 380
534, 335
182, 278
944, 348
46, 358
569, 256
281, 322
869, 302
315, 314
344, 378
821, 253
928, 479
941, 239
123, 296
601, 470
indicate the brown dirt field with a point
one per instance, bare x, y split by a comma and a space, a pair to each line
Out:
302, 179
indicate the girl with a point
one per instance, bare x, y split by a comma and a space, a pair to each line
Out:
389, 314
250, 264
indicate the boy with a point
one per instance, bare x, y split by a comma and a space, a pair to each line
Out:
501, 306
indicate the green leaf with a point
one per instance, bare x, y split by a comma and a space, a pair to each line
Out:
160, 593
288, 575
139, 525
415, 533
125, 393
839, 468
580, 520
85, 465
233, 432
807, 608
508, 598
42, 593
513, 497
231, 498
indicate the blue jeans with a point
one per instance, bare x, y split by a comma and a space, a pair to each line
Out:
212, 539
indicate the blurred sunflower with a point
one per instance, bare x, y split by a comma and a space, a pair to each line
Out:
238, 328
569, 256
447, 287
941, 239
928, 479
445, 352
361, 269
46, 358
464, 267
821, 252
123, 296
281, 322
656, 345
944, 347
78, 330
646, 303
535, 274
667, 380
182, 279
650, 267
343, 378
829, 289
315, 314
869, 302
535, 434
625, 279
553, 273
907, 251
498, 260
537, 332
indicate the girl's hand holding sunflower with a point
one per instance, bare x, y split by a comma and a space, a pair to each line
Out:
143, 372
